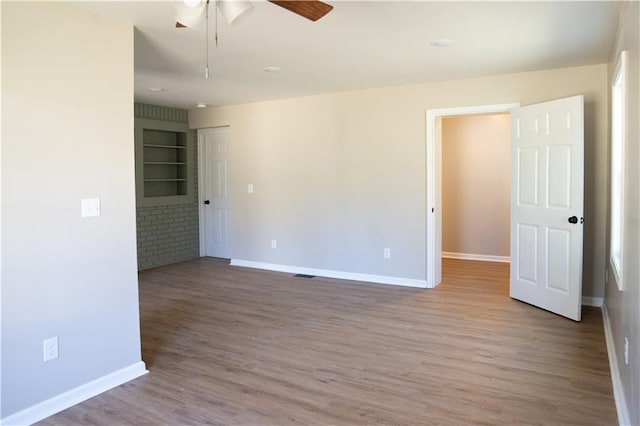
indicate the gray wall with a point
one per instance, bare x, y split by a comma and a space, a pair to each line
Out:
67, 134
623, 307
339, 177
168, 234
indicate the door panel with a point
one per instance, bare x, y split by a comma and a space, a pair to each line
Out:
546, 249
527, 261
528, 182
559, 176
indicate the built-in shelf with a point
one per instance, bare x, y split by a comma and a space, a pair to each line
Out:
150, 145
161, 163
164, 162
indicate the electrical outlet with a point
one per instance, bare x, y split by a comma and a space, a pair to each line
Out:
50, 348
274, 244
387, 253
90, 207
626, 351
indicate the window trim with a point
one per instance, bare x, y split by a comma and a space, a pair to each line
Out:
617, 159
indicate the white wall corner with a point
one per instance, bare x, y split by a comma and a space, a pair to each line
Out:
618, 389
74, 396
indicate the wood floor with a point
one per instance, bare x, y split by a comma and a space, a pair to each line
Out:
227, 345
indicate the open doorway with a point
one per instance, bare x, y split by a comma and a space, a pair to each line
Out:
476, 159
434, 180
476, 175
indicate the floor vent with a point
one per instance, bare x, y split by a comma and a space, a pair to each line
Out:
304, 276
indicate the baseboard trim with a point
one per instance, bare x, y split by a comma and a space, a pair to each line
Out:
480, 257
74, 396
597, 302
378, 279
618, 389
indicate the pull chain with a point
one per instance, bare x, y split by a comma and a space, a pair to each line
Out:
206, 68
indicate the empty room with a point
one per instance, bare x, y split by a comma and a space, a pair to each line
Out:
319, 212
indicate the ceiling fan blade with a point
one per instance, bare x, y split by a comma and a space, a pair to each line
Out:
310, 9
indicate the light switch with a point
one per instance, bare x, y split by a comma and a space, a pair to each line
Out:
90, 207
250, 188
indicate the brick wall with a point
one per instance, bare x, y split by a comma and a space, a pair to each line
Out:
167, 234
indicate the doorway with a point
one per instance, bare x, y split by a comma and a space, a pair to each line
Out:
476, 175
434, 180
214, 194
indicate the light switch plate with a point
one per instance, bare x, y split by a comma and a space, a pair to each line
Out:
90, 207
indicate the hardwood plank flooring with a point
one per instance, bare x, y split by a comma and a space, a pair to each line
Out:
227, 345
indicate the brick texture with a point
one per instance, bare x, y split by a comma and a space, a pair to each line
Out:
167, 234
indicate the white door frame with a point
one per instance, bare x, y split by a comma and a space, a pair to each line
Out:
434, 181
201, 167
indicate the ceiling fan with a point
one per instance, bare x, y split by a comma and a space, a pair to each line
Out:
196, 12
191, 15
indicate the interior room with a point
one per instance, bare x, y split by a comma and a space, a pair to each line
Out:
273, 212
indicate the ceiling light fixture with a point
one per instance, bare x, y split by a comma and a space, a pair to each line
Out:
201, 105
233, 10
443, 42
156, 89
191, 17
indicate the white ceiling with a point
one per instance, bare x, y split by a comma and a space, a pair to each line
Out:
358, 45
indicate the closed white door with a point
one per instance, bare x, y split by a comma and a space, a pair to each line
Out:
547, 178
215, 199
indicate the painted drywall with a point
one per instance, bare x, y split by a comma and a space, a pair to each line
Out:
67, 134
339, 177
168, 233
475, 184
623, 307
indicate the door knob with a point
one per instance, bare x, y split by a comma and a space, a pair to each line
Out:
573, 219
207, 202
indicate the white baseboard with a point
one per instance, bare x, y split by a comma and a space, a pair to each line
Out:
378, 279
597, 302
480, 257
618, 390
74, 396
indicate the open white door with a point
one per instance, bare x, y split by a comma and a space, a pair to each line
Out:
547, 179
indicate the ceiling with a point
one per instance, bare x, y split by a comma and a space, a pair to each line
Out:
358, 45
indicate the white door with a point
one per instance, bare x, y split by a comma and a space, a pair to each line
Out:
214, 197
547, 162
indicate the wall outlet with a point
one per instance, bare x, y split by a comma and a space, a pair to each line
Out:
50, 348
90, 207
626, 351
387, 253
274, 244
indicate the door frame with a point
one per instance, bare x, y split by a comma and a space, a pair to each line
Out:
434, 180
201, 168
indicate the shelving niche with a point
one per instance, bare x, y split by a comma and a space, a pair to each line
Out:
164, 163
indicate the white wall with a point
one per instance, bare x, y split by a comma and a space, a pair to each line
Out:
623, 307
340, 176
67, 134
476, 174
